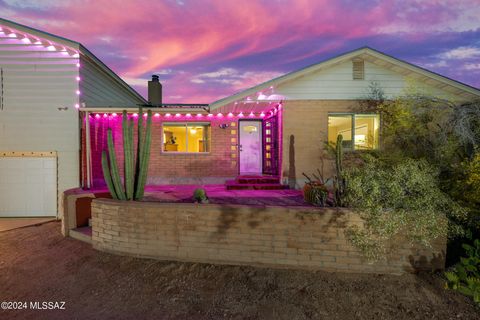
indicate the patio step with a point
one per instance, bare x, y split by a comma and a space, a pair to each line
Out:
257, 180
234, 185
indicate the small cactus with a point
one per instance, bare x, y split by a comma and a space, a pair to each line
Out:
200, 196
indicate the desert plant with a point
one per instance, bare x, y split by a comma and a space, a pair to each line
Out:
396, 200
315, 191
465, 275
315, 194
135, 165
339, 180
200, 196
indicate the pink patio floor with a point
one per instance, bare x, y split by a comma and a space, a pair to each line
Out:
219, 195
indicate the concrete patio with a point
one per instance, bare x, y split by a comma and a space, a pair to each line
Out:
218, 194
15, 223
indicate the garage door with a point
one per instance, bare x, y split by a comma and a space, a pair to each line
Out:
28, 186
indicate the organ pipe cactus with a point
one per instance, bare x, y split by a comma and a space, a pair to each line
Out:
135, 164
143, 156
339, 179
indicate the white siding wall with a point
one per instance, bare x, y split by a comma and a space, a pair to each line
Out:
100, 90
36, 83
336, 83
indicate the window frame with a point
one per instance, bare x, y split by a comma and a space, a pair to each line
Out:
186, 124
352, 115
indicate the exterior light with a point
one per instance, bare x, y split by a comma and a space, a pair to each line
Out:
135, 115
78, 64
97, 116
251, 115
188, 115
230, 114
157, 115
240, 115
168, 115
177, 115
219, 115
77, 92
78, 78
114, 114
210, 115
262, 115
77, 106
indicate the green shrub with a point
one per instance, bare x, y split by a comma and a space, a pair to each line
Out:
465, 275
200, 196
400, 199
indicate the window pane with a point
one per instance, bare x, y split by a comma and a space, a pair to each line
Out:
366, 131
198, 138
340, 124
175, 138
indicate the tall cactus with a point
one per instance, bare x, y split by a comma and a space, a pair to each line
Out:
107, 175
117, 182
135, 165
144, 158
129, 173
340, 180
339, 155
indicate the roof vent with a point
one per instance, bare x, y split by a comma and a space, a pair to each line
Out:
358, 70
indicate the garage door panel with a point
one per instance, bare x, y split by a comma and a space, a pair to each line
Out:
28, 187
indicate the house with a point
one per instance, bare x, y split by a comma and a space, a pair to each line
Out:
44, 80
59, 100
277, 128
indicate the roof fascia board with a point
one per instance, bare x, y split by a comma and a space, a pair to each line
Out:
40, 34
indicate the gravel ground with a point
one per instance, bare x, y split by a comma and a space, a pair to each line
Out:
38, 264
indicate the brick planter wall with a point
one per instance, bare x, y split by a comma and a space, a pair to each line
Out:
268, 236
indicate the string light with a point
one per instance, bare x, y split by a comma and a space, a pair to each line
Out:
263, 114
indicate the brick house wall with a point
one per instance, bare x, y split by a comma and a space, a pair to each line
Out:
306, 123
216, 166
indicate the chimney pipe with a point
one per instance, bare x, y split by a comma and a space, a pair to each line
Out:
155, 91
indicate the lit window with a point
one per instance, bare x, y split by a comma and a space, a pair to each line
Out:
186, 137
359, 131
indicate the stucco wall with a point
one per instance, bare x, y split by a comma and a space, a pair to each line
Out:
305, 125
268, 236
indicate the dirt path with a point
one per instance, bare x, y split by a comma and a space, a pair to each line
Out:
38, 264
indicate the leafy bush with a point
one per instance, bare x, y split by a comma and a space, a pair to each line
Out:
400, 199
200, 196
465, 276
472, 181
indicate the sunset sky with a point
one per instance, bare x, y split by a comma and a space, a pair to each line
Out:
204, 50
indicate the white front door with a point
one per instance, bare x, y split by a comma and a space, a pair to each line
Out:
28, 186
250, 147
